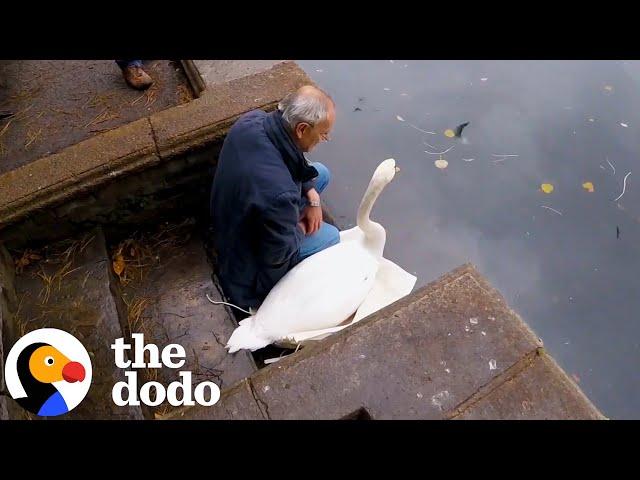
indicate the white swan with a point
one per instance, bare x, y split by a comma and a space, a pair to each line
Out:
324, 290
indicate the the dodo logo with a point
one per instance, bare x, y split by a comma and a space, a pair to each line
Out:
48, 372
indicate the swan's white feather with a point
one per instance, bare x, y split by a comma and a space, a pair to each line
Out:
319, 295
320, 292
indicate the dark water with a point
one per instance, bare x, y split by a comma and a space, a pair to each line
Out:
574, 278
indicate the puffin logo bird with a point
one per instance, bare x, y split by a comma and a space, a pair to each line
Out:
39, 366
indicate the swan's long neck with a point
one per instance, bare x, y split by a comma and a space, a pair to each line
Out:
375, 235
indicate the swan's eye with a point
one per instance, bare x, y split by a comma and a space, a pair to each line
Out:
48, 361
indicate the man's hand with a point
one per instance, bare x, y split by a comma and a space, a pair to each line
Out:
312, 216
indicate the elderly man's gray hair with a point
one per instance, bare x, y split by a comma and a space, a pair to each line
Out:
308, 104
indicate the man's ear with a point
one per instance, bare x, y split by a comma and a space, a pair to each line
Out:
301, 128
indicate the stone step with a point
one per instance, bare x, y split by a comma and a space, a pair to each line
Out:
168, 304
540, 391
9, 408
70, 288
7, 297
452, 349
204, 74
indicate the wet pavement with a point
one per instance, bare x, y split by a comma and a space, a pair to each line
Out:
57, 103
566, 261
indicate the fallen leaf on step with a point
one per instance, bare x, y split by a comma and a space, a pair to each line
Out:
118, 264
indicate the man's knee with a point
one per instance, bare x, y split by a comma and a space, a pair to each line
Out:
326, 237
332, 235
324, 176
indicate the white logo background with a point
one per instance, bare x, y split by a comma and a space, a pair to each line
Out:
69, 346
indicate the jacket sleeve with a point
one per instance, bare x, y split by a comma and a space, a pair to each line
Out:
279, 240
306, 186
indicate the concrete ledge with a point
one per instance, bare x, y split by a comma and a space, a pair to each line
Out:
10, 410
214, 72
53, 179
415, 359
3, 315
208, 118
8, 304
236, 403
541, 391
203, 74
438, 353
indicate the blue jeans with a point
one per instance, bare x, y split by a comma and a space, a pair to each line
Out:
327, 235
129, 63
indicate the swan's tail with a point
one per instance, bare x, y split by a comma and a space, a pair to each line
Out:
245, 336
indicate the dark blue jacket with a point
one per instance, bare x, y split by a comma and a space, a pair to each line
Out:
255, 205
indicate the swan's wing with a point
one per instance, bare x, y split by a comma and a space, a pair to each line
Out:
293, 339
320, 292
391, 284
352, 234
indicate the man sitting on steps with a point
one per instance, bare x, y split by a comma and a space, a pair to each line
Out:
265, 199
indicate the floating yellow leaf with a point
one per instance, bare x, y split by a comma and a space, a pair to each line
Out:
118, 264
588, 186
449, 133
546, 187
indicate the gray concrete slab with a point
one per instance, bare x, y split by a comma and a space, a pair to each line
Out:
450, 349
57, 103
8, 303
174, 290
70, 288
236, 403
416, 359
213, 72
542, 391
4, 414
